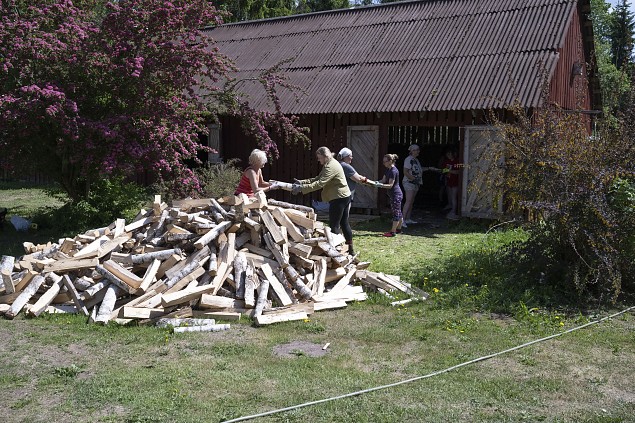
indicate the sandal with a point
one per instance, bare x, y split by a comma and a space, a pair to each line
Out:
389, 234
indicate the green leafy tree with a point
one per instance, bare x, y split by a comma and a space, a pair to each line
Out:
247, 10
99, 89
614, 83
322, 5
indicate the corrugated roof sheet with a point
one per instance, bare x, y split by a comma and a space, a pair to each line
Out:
411, 56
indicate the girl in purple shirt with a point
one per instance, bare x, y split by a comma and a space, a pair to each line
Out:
391, 181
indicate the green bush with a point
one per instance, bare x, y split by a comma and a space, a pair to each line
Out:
577, 189
215, 180
107, 200
219, 179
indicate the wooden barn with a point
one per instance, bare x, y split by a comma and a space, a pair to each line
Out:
379, 78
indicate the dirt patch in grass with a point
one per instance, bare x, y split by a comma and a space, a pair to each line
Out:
298, 349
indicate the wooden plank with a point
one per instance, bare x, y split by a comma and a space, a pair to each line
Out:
24, 296
300, 219
284, 220
74, 295
184, 296
220, 315
141, 313
91, 249
62, 266
149, 276
329, 305
342, 283
266, 319
111, 245
272, 227
217, 302
122, 273
47, 297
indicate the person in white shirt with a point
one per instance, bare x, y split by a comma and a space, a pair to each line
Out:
411, 182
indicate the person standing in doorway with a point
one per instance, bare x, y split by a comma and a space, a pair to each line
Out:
450, 167
411, 182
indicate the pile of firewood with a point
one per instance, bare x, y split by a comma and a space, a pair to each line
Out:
193, 263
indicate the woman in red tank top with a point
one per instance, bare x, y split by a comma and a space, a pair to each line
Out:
251, 181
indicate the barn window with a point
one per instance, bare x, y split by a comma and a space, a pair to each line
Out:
214, 142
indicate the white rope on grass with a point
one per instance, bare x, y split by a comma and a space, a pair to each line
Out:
476, 360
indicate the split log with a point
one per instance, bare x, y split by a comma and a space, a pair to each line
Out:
115, 279
154, 255
219, 208
149, 276
275, 249
300, 219
290, 206
262, 297
122, 273
71, 264
107, 304
165, 322
217, 302
25, 296
297, 282
111, 245
23, 279
205, 328
74, 295
333, 253
92, 249
267, 319
141, 312
212, 235
6, 269
250, 285
277, 288
240, 268
191, 267
272, 227
279, 273
319, 276
48, 296
222, 315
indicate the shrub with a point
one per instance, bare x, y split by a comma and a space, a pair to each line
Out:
219, 179
577, 188
107, 200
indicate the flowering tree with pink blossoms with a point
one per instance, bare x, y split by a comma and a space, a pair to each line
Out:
98, 88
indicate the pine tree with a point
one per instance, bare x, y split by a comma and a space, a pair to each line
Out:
622, 30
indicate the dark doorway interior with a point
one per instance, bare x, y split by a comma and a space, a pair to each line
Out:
433, 142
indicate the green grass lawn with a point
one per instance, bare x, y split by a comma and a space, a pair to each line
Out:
59, 368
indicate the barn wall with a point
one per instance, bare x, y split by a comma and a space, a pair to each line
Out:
567, 90
331, 130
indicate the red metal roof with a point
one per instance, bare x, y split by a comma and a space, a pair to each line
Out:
429, 55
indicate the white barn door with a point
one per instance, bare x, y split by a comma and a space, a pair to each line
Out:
479, 197
364, 143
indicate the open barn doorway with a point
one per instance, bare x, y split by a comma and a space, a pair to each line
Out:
433, 142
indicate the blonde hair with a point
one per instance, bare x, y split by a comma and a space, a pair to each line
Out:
324, 151
257, 157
